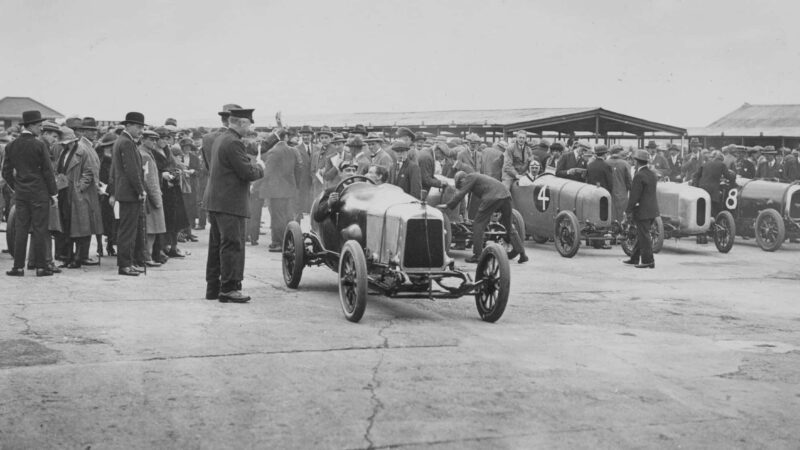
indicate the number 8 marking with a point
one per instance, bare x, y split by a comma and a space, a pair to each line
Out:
732, 199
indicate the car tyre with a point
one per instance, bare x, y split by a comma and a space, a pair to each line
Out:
568, 234
657, 234
519, 223
724, 231
770, 230
353, 281
293, 255
494, 273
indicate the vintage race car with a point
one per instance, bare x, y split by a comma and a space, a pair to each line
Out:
564, 210
383, 239
766, 210
685, 211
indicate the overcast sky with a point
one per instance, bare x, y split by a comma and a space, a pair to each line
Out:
683, 63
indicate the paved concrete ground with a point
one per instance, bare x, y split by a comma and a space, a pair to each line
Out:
702, 352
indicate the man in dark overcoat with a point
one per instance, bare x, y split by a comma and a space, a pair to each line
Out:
709, 177
226, 199
205, 154
306, 151
598, 172
643, 209
29, 173
406, 172
128, 190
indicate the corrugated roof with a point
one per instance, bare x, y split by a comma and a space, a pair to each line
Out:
491, 117
756, 120
13, 107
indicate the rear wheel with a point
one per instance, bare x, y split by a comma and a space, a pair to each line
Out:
770, 230
519, 224
293, 252
495, 275
724, 231
628, 239
568, 235
353, 281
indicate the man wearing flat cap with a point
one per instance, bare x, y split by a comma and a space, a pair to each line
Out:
319, 159
374, 155
306, 151
642, 210
517, 160
279, 187
406, 172
29, 173
226, 199
674, 164
620, 181
598, 173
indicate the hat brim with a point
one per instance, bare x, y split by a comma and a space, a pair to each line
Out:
134, 122
32, 122
324, 133
224, 113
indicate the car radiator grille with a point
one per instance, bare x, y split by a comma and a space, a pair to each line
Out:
794, 206
422, 252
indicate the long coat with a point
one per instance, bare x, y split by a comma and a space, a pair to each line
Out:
492, 162
620, 185
28, 170
83, 173
710, 175
305, 151
643, 202
599, 173
154, 212
126, 169
175, 216
408, 178
281, 171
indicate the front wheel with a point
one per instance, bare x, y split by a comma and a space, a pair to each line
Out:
724, 231
568, 234
353, 280
770, 230
495, 275
293, 252
657, 234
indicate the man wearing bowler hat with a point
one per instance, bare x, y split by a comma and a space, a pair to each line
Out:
226, 199
28, 171
128, 190
642, 209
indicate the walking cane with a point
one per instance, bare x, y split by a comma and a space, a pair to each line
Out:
143, 218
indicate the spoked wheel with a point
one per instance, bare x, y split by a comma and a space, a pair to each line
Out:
353, 281
770, 230
519, 223
495, 275
628, 238
724, 230
657, 234
293, 252
568, 235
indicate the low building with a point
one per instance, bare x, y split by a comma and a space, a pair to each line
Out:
751, 125
11, 109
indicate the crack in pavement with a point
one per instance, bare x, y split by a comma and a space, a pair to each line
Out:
28, 331
377, 406
265, 353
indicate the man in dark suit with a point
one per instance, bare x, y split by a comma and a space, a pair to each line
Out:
205, 153
744, 167
306, 152
406, 172
598, 172
226, 199
493, 197
282, 171
769, 168
709, 177
128, 190
643, 209
572, 164
674, 164
29, 173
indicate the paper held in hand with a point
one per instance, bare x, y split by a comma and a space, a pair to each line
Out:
449, 181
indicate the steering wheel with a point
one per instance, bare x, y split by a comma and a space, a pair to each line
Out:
350, 180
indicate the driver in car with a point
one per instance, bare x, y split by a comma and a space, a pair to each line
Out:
329, 204
493, 197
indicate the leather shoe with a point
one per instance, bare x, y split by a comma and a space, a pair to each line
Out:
630, 262
212, 291
128, 271
472, 260
152, 264
15, 272
90, 262
110, 250
233, 297
52, 267
30, 267
74, 265
44, 272
652, 265
275, 249
522, 259
176, 254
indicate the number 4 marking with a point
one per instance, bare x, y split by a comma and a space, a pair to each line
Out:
543, 197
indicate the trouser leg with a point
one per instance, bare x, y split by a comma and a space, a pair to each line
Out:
127, 231
82, 245
280, 214
148, 248
254, 223
514, 235
213, 260
231, 251
482, 218
643, 237
22, 223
